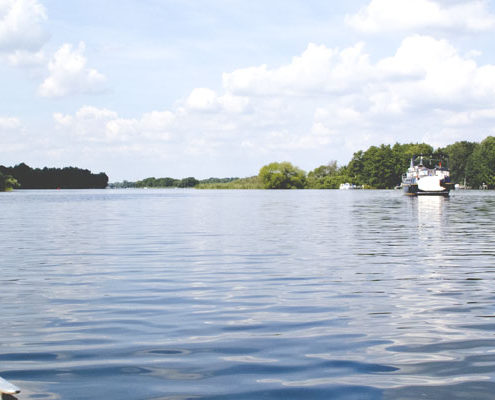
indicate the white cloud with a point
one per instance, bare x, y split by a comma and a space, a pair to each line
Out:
90, 113
23, 58
94, 124
207, 100
70, 75
12, 138
9, 124
202, 99
404, 15
318, 70
21, 25
439, 75
423, 71
156, 121
234, 104
62, 120
466, 118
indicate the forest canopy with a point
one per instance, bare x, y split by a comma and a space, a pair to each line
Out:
54, 178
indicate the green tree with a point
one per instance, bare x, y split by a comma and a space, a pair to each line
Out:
282, 175
7, 182
355, 168
480, 167
188, 182
458, 155
328, 176
376, 167
381, 167
3, 183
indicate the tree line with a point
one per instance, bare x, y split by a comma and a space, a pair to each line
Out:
168, 182
381, 167
24, 177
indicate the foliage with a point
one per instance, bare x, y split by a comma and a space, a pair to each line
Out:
153, 182
480, 167
217, 180
53, 178
458, 155
122, 185
282, 175
188, 182
328, 176
7, 183
252, 182
169, 183
375, 167
382, 167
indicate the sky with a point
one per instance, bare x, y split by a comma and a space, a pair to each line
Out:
219, 88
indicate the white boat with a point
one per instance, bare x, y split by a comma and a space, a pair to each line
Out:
421, 179
347, 186
7, 387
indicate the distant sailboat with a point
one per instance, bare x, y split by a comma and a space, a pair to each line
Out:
7, 387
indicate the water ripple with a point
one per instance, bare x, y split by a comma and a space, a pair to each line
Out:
181, 294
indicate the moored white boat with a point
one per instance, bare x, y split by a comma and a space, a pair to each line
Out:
7, 387
347, 186
426, 180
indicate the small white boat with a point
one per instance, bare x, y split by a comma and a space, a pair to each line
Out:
347, 186
8, 388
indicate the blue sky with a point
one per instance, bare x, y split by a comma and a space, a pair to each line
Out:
220, 88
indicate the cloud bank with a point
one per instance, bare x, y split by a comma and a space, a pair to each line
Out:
406, 15
325, 101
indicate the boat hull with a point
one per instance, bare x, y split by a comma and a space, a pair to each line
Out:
412, 189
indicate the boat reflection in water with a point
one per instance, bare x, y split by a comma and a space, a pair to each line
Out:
430, 212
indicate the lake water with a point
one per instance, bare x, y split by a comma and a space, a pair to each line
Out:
185, 294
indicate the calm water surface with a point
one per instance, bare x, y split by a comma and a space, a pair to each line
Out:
184, 294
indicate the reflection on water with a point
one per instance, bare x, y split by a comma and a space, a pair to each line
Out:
179, 294
430, 213
431, 221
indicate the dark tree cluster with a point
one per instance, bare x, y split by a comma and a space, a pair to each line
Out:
471, 163
55, 178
